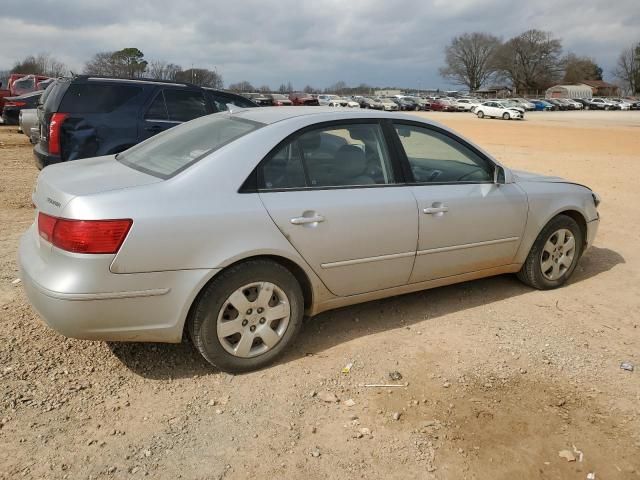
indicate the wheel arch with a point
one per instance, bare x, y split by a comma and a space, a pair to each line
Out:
531, 235
579, 219
296, 270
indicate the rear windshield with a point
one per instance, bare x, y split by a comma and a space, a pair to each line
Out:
97, 98
176, 149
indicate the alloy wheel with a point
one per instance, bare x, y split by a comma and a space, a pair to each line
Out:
253, 319
558, 254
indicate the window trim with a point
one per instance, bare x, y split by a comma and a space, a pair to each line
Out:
407, 166
147, 107
251, 184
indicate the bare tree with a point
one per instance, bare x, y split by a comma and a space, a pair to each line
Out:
161, 70
201, 77
101, 64
310, 89
243, 86
627, 69
531, 61
577, 69
41, 64
264, 89
469, 59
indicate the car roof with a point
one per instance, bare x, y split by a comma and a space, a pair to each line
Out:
269, 115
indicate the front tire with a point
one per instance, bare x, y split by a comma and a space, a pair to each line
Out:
554, 255
506, 116
247, 316
480, 114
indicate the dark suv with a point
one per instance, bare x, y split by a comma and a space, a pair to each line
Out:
86, 116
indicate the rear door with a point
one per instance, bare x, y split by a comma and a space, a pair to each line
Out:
334, 193
171, 107
467, 222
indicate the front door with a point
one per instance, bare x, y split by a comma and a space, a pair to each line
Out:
332, 193
467, 222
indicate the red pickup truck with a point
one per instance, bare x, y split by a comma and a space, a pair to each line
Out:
21, 83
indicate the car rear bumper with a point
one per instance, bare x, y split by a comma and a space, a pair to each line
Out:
81, 301
43, 158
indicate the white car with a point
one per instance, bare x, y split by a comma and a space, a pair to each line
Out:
387, 104
337, 101
499, 110
468, 104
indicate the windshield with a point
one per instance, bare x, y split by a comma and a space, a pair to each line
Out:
176, 149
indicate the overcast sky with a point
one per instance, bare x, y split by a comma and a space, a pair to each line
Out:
378, 42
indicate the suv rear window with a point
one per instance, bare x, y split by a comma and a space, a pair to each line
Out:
176, 149
97, 98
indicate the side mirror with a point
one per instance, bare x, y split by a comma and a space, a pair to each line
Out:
498, 175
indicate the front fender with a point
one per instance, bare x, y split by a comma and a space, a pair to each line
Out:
548, 199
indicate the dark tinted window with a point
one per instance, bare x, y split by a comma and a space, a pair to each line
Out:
184, 105
346, 155
97, 98
157, 110
220, 101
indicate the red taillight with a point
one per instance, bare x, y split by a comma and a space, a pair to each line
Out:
278, 104
54, 132
84, 236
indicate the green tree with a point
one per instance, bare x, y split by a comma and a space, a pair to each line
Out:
126, 63
577, 69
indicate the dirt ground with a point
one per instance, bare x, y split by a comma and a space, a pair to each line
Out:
500, 378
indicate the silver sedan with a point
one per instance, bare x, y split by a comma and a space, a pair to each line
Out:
234, 226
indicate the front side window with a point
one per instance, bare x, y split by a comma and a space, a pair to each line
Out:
336, 156
437, 158
184, 105
176, 149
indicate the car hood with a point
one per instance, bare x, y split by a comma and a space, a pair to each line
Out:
522, 176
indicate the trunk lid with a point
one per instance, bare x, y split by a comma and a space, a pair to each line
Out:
58, 184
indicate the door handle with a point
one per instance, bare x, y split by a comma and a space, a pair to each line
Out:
154, 128
432, 210
305, 220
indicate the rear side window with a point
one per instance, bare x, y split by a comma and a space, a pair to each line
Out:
184, 105
97, 98
176, 149
220, 101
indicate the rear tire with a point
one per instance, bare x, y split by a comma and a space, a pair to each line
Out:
554, 255
215, 306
